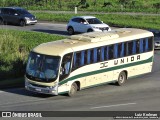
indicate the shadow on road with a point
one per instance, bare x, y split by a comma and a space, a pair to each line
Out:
24, 92
51, 31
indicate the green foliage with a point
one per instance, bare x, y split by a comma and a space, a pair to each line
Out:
87, 5
14, 50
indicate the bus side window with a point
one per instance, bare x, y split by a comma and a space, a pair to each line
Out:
150, 43
88, 56
146, 45
102, 53
111, 51
94, 55
115, 50
82, 58
85, 57
76, 60
134, 47
141, 45
98, 54
130, 47
137, 46
121, 49
106, 50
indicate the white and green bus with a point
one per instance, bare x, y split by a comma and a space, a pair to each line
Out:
90, 59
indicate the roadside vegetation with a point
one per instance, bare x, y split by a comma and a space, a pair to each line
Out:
14, 50
151, 6
137, 21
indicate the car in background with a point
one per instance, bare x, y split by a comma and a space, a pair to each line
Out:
82, 24
156, 38
16, 15
157, 44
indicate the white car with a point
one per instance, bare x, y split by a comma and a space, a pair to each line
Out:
84, 24
157, 45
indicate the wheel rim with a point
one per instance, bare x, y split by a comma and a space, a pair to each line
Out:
73, 90
121, 78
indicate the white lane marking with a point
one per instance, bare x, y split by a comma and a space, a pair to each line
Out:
113, 105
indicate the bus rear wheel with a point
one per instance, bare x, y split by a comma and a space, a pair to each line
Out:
73, 90
121, 78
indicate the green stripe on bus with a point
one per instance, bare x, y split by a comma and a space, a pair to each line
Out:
106, 70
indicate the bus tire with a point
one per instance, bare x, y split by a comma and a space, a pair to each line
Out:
73, 90
121, 78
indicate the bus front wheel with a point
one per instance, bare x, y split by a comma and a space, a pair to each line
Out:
73, 90
121, 78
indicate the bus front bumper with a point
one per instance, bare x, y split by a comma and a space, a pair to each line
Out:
43, 90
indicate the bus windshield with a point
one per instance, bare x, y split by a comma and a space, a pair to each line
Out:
43, 68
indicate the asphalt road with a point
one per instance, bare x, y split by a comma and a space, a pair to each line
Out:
46, 27
42, 26
138, 94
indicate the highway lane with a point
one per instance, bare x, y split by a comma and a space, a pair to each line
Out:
46, 27
42, 26
141, 93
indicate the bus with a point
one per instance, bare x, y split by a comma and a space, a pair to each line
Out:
90, 59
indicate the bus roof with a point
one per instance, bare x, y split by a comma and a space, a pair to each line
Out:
90, 40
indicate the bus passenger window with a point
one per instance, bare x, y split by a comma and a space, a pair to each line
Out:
121, 49
98, 54
150, 43
76, 60
137, 46
111, 49
134, 48
85, 57
106, 56
116, 51
141, 45
88, 56
102, 53
92, 56
146, 44
82, 58
130, 47
95, 55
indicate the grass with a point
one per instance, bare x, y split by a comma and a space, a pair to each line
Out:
137, 21
99, 6
14, 49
